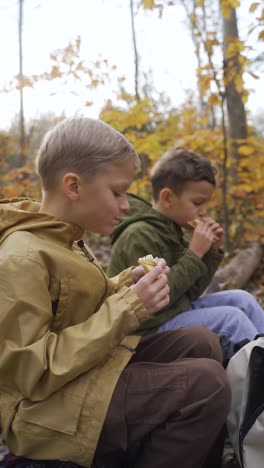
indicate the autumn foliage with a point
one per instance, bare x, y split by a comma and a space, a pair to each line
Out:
151, 136
153, 125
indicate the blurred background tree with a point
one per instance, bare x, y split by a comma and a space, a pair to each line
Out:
213, 120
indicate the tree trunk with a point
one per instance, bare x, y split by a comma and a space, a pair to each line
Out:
22, 137
136, 59
234, 97
238, 271
190, 12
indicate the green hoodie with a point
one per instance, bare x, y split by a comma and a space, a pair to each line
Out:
144, 231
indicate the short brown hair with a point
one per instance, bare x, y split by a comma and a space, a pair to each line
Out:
176, 168
82, 145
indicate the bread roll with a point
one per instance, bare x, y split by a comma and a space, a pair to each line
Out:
148, 263
194, 222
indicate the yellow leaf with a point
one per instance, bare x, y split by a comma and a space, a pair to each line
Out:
227, 6
149, 4
55, 72
239, 84
245, 150
234, 3
214, 99
253, 7
244, 98
193, 18
261, 35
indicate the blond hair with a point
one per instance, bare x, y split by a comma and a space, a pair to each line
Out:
82, 145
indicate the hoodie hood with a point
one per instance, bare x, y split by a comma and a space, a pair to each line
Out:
22, 214
141, 210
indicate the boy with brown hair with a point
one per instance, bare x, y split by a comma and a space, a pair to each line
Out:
182, 184
76, 382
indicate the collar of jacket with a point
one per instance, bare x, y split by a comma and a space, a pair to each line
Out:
22, 214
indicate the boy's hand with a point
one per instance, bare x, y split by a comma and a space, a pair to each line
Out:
219, 233
138, 272
203, 237
152, 289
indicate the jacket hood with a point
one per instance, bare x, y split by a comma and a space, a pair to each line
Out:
22, 214
141, 210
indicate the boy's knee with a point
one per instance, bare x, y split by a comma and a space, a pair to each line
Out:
205, 343
231, 316
245, 296
210, 383
240, 296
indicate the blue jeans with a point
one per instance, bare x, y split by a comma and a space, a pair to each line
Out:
234, 315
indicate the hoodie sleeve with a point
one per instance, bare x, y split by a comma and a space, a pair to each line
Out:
211, 260
34, 359
131, 245
189, 274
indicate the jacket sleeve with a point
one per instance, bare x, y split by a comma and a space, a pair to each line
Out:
212, 261
136, 243
34, 359
131, 245
189, 274
123, 279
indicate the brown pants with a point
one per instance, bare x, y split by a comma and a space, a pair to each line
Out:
171, 401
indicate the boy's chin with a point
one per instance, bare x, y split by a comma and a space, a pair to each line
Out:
101, 232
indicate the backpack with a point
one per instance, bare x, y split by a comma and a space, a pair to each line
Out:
245, 422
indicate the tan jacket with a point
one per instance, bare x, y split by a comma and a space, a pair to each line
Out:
62, 334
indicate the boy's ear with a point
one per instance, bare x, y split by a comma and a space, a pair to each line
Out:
166, 196
71, 186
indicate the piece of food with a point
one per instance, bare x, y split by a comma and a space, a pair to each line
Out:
194, 222
148, 263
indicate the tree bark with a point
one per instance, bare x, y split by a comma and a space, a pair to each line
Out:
190, 12
136, 58
22, 138
234, 99
238, 271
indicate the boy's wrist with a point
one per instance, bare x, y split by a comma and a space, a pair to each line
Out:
217, 250
197, 252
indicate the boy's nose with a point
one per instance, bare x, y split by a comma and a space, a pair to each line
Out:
124, 205
202, 212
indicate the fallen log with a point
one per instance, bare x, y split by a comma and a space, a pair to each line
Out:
237, 272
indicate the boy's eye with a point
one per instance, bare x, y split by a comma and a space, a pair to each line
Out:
197, 203
117, 194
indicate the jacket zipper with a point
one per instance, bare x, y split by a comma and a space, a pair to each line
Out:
81, 245
129, 348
